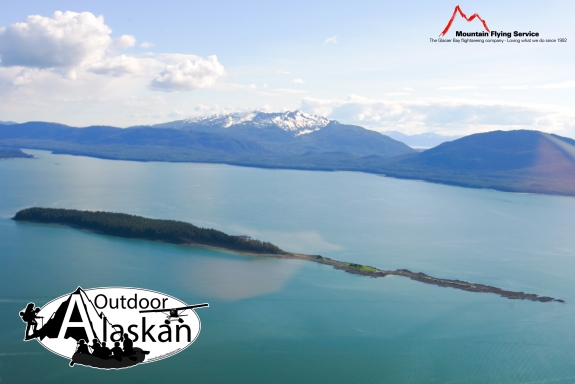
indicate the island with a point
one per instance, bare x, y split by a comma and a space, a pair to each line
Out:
130, 226
178, 232
13, 153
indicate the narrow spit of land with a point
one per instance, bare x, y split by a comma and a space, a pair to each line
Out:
178, 232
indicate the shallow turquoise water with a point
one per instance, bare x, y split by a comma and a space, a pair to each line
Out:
285, 321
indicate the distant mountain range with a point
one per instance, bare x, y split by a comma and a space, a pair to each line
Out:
521, 161
254, 137
422, 140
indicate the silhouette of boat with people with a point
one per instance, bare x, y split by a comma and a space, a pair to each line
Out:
98, 355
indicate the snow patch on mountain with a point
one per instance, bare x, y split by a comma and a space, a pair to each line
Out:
297, 122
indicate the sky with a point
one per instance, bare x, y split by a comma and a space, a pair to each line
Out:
368, 63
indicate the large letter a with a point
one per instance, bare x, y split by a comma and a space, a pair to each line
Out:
76, 317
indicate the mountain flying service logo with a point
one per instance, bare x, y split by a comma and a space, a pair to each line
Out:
469, 19
113, 328
488, 35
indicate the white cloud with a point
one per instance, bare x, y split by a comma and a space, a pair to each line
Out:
408, 89
67, 39
457, 88
284, 72
207, 107
71, 45
514, 87
562, 85
66, 67
146, 44
283, 91
67, 44
176, 57
188, 75
124, 41
25, 76
441, 116
298, 81
176, 113
117, 66
264, 90
396, 93
147, 102
331, 40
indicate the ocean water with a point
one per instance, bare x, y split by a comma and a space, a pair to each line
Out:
287, 321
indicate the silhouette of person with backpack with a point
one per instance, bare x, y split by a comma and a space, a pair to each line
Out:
29, 316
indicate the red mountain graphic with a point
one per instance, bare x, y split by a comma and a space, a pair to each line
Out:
457, 9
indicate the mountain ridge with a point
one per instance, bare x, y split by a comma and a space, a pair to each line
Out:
256, 134
516, 161
297, 121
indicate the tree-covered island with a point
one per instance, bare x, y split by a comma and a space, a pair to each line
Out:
124, 225
178, 232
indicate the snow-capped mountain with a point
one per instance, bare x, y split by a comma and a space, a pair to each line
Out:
239, 138
296, 122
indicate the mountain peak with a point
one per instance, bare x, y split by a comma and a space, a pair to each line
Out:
296, 122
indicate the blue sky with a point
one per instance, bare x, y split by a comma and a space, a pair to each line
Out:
361, 62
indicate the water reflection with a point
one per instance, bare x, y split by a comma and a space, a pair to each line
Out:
309, 242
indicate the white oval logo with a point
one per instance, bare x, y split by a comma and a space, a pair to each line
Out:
113, 328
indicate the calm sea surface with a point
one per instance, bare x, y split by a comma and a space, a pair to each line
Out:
286, 321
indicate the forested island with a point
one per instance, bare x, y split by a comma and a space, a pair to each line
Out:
130, 226
178, 232
13, 153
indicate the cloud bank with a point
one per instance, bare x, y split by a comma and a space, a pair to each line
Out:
440, 115
74, 45
67, 39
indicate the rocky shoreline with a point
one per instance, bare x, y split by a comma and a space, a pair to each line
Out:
423, 278
358, 269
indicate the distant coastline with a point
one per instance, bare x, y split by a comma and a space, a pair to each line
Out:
541, 189
510, 161
13, 153
181, 233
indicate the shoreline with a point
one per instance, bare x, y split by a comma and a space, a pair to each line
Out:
353, 268
250, 164
421, 277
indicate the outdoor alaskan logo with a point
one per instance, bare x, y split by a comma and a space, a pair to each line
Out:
113, 328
